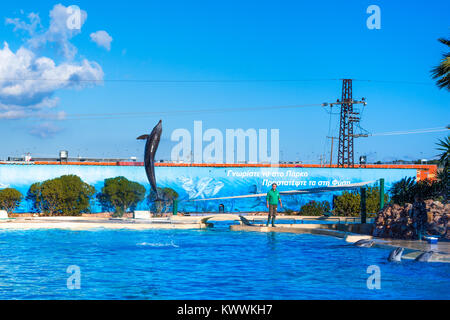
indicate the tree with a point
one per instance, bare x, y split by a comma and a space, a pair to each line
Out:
444, 161
10, 199
120, 195
166, 197
67, 195
34, 197
442, 71
52, 197
403, 191
427, 189
76, 195
347, 204
444, 147
314, 208
373, 199
408, 190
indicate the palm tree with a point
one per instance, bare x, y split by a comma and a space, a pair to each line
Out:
444, 146
403, 191
442, 71
444, 160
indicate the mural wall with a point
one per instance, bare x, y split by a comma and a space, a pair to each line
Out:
206, 182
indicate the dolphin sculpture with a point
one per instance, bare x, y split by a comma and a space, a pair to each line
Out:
366, 243
396, 254
424, 256
149, 154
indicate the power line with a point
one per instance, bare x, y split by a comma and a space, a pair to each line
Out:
416, 131
199, 81
177, 112
396, 81
169, 80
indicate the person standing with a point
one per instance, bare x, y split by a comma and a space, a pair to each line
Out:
272, 199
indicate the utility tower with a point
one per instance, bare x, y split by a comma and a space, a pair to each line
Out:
347, 119
345, 151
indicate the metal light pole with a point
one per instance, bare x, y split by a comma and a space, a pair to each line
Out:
331, 150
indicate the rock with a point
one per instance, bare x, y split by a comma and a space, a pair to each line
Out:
405, 222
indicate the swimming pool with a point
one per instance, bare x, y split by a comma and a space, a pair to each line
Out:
205, 264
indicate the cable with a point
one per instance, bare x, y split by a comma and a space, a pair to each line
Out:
396, 81
416, 131
213, 81
170, 80
177, 112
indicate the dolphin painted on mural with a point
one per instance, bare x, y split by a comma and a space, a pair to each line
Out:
149, 154
366, 243
424, 256
396, 254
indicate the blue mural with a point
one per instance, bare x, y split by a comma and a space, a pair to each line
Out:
206, 182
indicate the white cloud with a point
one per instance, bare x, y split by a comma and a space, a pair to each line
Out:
40, 110
35, 22
102, 39
58, 32
29, 80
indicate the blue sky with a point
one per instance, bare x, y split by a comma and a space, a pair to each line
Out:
240, 40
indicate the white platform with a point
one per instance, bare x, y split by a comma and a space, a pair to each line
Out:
142, 214
3, 214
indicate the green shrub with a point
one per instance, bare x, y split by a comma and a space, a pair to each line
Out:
314, 208
120, 195
373, 200
288, 211
349, 202
67, 195
163, 204
10, 199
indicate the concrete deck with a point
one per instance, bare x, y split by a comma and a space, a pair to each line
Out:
173, 222
84, 223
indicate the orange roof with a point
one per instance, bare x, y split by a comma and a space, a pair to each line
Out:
424, 171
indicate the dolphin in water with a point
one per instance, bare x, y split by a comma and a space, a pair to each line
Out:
149, 155
396, 254
245, 221
366, 243
424, 256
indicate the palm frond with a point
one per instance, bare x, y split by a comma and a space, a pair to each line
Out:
444, 41
444, 146
442, 71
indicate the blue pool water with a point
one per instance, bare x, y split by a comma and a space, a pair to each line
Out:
205, 264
